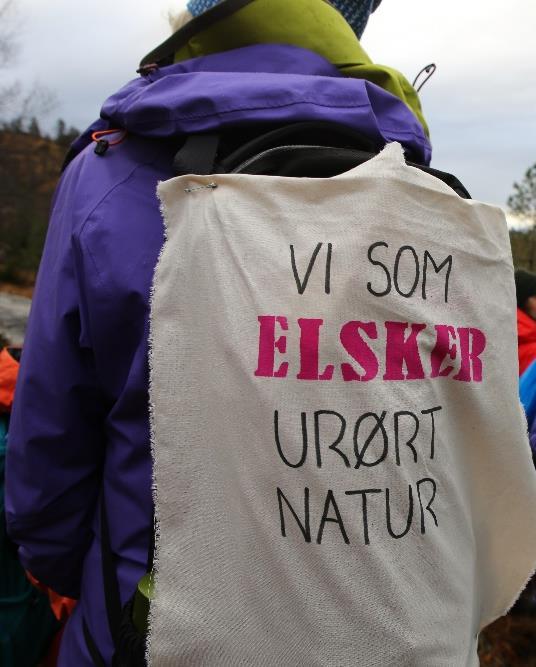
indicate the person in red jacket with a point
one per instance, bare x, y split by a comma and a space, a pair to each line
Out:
526, 318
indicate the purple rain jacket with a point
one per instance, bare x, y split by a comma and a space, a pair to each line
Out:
80, 424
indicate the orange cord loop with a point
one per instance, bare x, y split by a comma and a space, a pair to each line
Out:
98, 136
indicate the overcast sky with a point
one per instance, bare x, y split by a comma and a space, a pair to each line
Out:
480, 104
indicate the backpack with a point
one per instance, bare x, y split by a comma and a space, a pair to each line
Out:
313, 149
324, 396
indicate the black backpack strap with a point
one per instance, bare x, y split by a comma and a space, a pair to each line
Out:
94, 653
303, 161
286, 151
112, 596
304, 133
197, 155
448, 179
325, 162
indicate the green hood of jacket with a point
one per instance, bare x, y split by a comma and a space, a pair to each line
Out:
310, 24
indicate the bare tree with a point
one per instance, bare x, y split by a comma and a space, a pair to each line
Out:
9, 90
17, 105
522, 202
8, 41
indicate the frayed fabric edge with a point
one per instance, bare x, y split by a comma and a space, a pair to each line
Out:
499, 614
154, 488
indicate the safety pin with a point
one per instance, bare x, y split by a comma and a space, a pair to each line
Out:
208, 186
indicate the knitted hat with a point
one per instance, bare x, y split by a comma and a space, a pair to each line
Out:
525, 287
356, 12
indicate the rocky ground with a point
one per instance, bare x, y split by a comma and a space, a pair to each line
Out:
14, 311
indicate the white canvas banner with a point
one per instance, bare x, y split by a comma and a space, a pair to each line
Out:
342, 469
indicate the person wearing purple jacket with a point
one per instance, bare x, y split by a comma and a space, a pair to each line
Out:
80, 427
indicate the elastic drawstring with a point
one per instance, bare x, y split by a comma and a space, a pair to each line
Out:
103, 144
145, 70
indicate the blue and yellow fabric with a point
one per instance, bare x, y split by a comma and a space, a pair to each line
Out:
27, 623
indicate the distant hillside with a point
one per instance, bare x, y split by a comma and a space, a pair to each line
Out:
524, 249
29, 170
